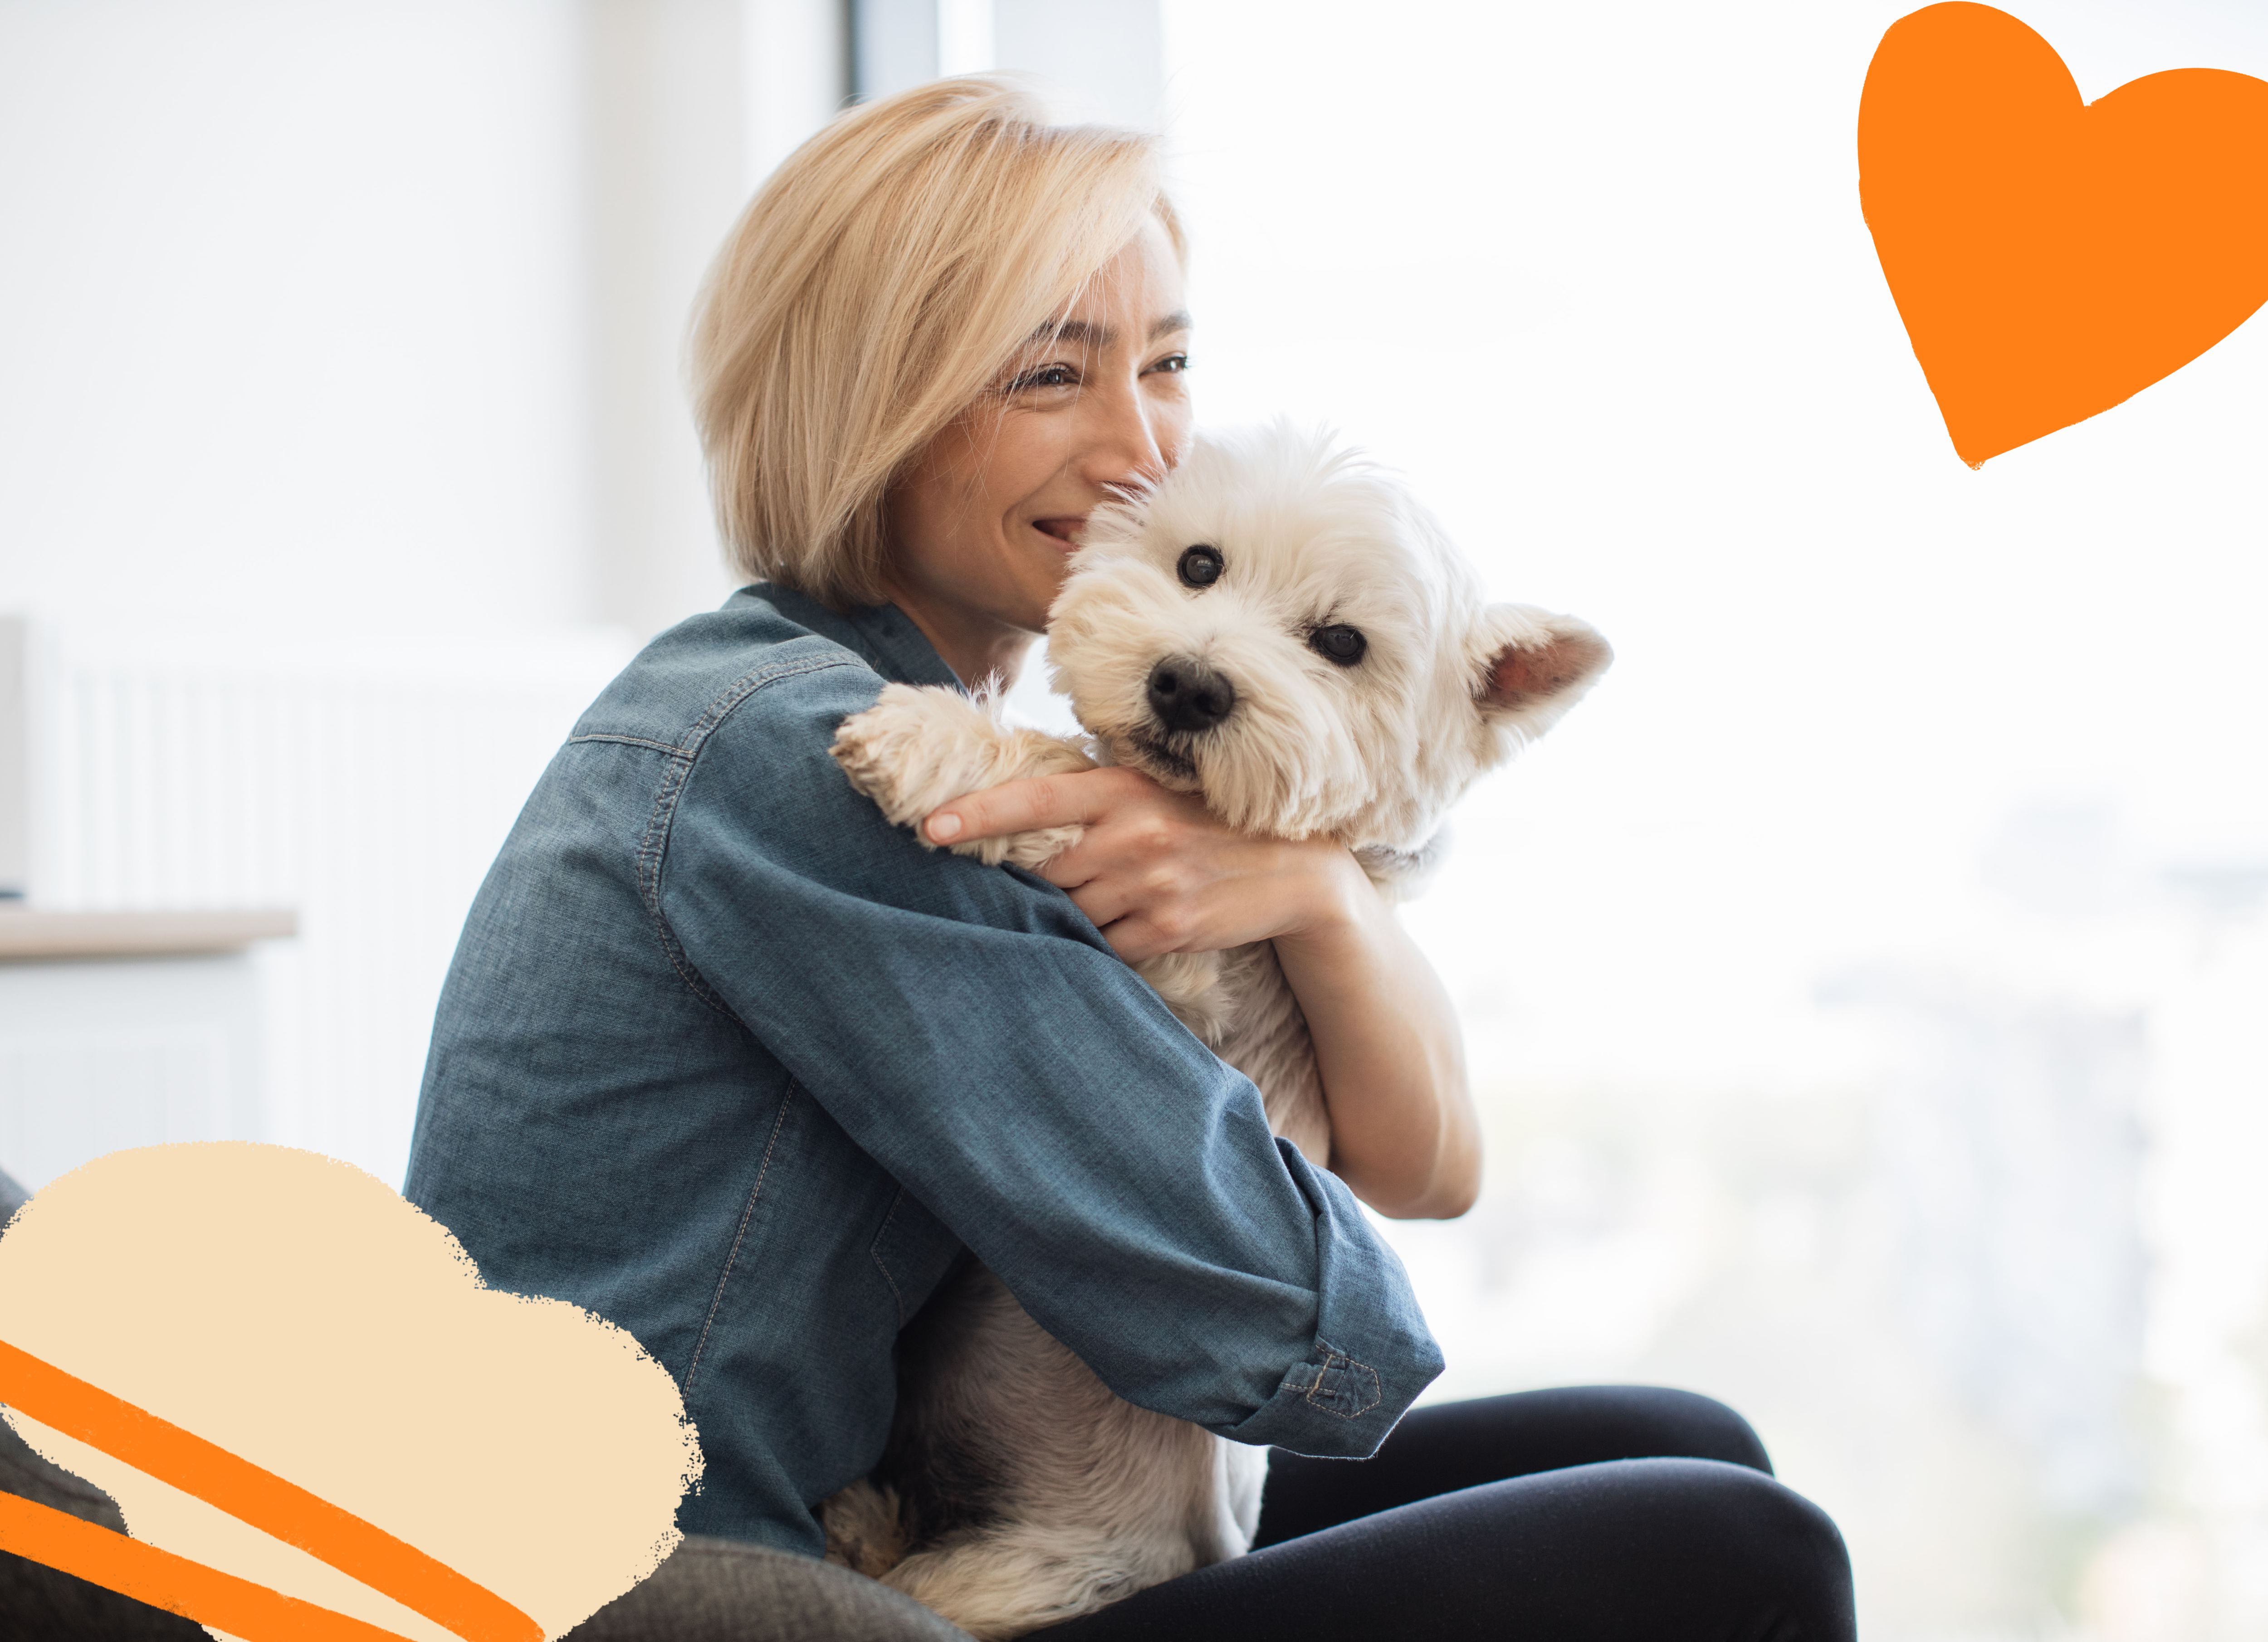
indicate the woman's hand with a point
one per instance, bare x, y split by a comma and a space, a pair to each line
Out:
1156, 872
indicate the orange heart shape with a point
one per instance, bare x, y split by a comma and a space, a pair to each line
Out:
2052, 258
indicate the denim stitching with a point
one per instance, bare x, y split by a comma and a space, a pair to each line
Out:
748, 684
649, 869
627, 741
1334, 1358
733, 1255
655, 844
874, 1251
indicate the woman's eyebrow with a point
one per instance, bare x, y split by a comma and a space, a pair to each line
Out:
1077, 330
1086, 333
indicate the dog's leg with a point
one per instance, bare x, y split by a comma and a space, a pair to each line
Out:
1031, 1494
865, 1531
1134, 1503
1267, 1041
1190, 983
1000, 1585
916, 749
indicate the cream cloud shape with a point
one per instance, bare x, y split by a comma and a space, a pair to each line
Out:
295, 1310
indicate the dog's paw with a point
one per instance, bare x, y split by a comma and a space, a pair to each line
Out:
865, 1531
1189, 983
913, 749
917, 748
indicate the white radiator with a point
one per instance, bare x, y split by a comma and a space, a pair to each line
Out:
370, 793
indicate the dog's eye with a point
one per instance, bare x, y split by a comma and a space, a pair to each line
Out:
1343, 645
1200, 567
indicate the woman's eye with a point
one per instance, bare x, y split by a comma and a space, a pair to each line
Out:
1045, 377
1172, 364
1200, 567
1341, 644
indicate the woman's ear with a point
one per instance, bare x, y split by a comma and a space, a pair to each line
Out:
1534, 666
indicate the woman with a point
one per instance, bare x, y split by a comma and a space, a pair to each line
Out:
728, 1059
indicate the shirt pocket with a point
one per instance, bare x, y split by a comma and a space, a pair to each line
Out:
913, 1252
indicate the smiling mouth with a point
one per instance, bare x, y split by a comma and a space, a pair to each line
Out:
1064, 531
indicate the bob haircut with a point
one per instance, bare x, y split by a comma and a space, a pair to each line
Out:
888, 274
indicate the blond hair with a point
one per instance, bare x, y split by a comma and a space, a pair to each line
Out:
884, 278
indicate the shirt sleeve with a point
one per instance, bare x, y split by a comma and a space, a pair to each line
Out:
971, 1030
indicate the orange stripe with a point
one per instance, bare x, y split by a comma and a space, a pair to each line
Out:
283, 1510
175, 1584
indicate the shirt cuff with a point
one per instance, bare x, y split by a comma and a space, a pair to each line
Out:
1371, 1354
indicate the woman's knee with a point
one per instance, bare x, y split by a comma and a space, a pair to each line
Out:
1703, 1428
1650, 1422
1626, 1548
1756, 1532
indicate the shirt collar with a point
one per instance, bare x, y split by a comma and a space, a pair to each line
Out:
883, 634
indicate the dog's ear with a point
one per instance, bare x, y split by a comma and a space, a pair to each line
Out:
1533, 666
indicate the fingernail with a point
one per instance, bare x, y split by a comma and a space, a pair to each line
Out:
944, 827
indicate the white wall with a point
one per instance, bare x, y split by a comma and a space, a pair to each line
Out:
1102, 60
666, 101
294, 319
343, 456
356, 322
1106, 56
15, 755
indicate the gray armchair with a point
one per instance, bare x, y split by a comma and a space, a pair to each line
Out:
711, 1590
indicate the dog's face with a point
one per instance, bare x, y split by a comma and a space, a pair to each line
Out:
1287, 631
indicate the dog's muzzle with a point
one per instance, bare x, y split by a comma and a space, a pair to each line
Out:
1189, 697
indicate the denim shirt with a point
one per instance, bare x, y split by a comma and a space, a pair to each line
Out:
727, 1058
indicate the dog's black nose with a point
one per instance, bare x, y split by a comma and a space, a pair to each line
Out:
1189, 695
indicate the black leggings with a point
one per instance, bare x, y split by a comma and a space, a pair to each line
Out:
1597, 1513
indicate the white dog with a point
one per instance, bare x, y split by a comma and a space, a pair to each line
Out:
1285, 631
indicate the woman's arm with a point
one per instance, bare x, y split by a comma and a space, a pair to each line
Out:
1403, 1133
964, 1034
1157, 873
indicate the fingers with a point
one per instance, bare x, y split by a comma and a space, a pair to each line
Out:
1109, 881
1044, 801
1131, 907
1103, 903
1115, 849
1145, 838
1153, 870
1140, 929
1135, 939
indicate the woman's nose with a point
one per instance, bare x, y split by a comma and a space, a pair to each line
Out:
1126, 446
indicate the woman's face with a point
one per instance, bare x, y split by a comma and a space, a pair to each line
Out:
985, 521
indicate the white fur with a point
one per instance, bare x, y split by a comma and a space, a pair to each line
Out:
1087, 1499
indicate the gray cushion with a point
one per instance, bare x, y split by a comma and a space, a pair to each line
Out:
720, 1590
711, 1590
